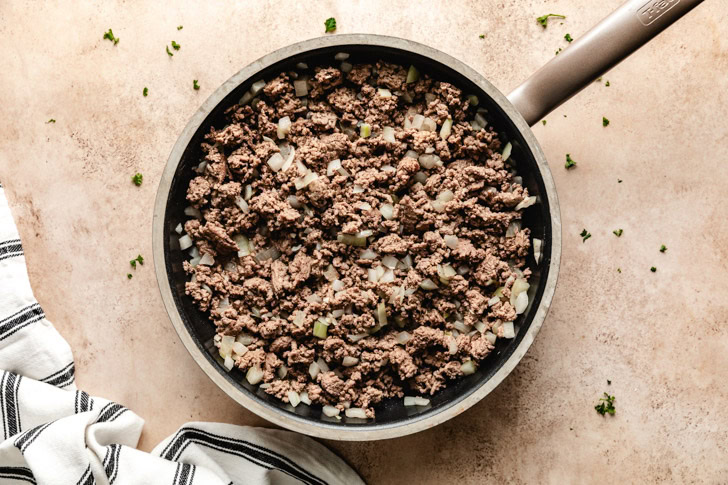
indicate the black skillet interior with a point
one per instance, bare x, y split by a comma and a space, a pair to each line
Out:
391, 412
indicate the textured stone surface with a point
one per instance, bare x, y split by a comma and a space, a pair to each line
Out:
661, 338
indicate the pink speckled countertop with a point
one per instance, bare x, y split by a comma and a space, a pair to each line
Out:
661, 338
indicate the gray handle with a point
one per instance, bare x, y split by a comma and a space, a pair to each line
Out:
613, 39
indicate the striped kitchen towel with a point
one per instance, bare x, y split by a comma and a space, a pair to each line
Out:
53, 433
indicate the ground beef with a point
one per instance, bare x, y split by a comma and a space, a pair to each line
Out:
364, 215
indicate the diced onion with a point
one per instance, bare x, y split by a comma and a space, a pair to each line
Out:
461, 327
387, 211
521, 303
412, 75
368, 254
179, 229
390, 261
313, 370
519, 286
284, 126
388, 134
406, 262
337, 285
240, 202
245, 99
266, 254
248, 192
452, 345
508, 330
527, 202
226, 345
282, 371
254, 374
451, 241
480, 326
493, 300
239, 349
468, 367
387, 277
276, 161
331, 274
322, 365
288, 152
320, 329
417, 121
365, 130
403, 337
346, 67
294, 398
445, 273
409, 401
420, 177
446, 129
229, 363
512, 228
301, 65
428, 284
333, 166
314, 299
192, 212
245, 339
293, 201
351, 240
357, 337
537, 244
304, 181
372, 275
446, 195
341, 56
428, 160
356, 413
381, 313
438, 205
185, 242
428, 124
349, 361
304, 398
207, 260
301, 87
257, 87
384, 93
506, 153
330, 411
357, 189
243, 245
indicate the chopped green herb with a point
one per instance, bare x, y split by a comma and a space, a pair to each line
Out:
585, 235
619, 270
564, 116
544, 19
619, 181
330, 24
128, 275
175, 46
609, 383
606, 84
569, 162
482, 36
606, 405
137, 179
605, 122
133, 263
145, 92
653, 269
663, 248
179, 27
50, 121
599, 79
568, 38
139, 259
168, 52
544, 122
110, 35
618, 232
195, 85
557, 52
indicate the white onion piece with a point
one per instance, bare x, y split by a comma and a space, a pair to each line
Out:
248, 192
322, 365
512, 228
421, 401
334, 165
346, 67
337, 285
403, 337
452, 345
185, 242
245, 339
313, 370
387, 211
294, 398
519, 286
428, 284
451, 241
356, 413
229, 363
194, 252
417, 122
365, 206
368, 254
337, 313
428, 124
243, 245
480, 120
257, 87
266, 254
381, 313
254, 375
330, 411
480, 326
468, 367
537, 244
207, 260
446, 195
527, 202
301, 65
372, 275
284, 126
521, 303
226, 345
301, 87
390, 261
240, 202
231, 267
517, 180
364, 233
446, 129
384, 93
192, 212
490, 337
437, 205
179, 229
201, 167
238, 348
357, 337
407, 262
304, 181
508, 330
313, 299
387, 277
428, 160
493, 300
282, 371
341, 56
461, 327
304, 398
349, 361
276, 161
388, 134
331, 274
288, 152
506, 153
293, 201
388, 168
245, 99
409, 401
357, 189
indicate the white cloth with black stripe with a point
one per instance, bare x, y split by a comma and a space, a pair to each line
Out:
54, 433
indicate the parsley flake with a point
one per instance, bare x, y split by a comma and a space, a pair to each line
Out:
137, 179
618, 232
128, 275
139, 259
606, 84
619, 181
50, 121
619, 270
585, 235
544, 122
110, 35
653, 269
568, 38
145, 92
544, 19
179, 27
569, 162
168, 52
481, 36
663, 248
175, 46
606, 405
557, 52
605, 122
330, 24
609, 383
195, 85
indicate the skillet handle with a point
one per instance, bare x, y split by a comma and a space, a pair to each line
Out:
613, 39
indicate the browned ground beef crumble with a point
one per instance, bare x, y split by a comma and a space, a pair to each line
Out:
266, 289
